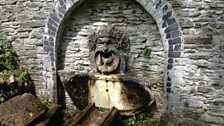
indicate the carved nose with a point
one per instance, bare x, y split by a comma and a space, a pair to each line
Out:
105, 48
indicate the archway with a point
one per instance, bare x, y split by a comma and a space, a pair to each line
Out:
160, 10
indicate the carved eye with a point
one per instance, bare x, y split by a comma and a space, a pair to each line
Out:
109, 41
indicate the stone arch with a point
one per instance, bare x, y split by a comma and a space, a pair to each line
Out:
160, 10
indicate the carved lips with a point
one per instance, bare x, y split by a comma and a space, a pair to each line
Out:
106, 62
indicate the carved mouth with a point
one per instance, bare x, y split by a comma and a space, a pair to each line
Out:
106, 62
107, 58
107, 54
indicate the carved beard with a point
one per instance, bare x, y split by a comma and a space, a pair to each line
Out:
106, 62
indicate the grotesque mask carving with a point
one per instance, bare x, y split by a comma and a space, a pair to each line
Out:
108, 47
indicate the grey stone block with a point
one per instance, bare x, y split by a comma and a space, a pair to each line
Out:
175, 41
172, 54
171, 28
204, 89
177, 47
167, 15
54, 17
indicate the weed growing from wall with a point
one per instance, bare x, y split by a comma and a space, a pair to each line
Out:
147, 53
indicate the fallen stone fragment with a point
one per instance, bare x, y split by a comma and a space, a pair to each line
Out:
21, 110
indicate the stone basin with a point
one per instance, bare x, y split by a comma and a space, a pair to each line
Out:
126, 94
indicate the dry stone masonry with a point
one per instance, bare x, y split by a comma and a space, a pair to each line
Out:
23, 21
186, 37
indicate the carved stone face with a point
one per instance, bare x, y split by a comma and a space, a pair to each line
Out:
106, 56
107, 45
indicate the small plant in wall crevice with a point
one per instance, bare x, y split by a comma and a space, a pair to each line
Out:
147, 53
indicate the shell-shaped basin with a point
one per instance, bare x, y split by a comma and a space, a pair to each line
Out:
126, 94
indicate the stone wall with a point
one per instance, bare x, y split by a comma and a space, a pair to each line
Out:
195, 77
24, 21
200, 95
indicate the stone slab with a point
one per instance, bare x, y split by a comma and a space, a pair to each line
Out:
21, 110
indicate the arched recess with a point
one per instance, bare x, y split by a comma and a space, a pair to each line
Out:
160, 10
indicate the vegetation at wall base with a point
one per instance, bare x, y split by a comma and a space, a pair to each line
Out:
141, 120
13, 80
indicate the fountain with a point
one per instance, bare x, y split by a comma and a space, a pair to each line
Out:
108, 85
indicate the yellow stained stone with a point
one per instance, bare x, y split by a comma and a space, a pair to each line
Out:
105, 92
